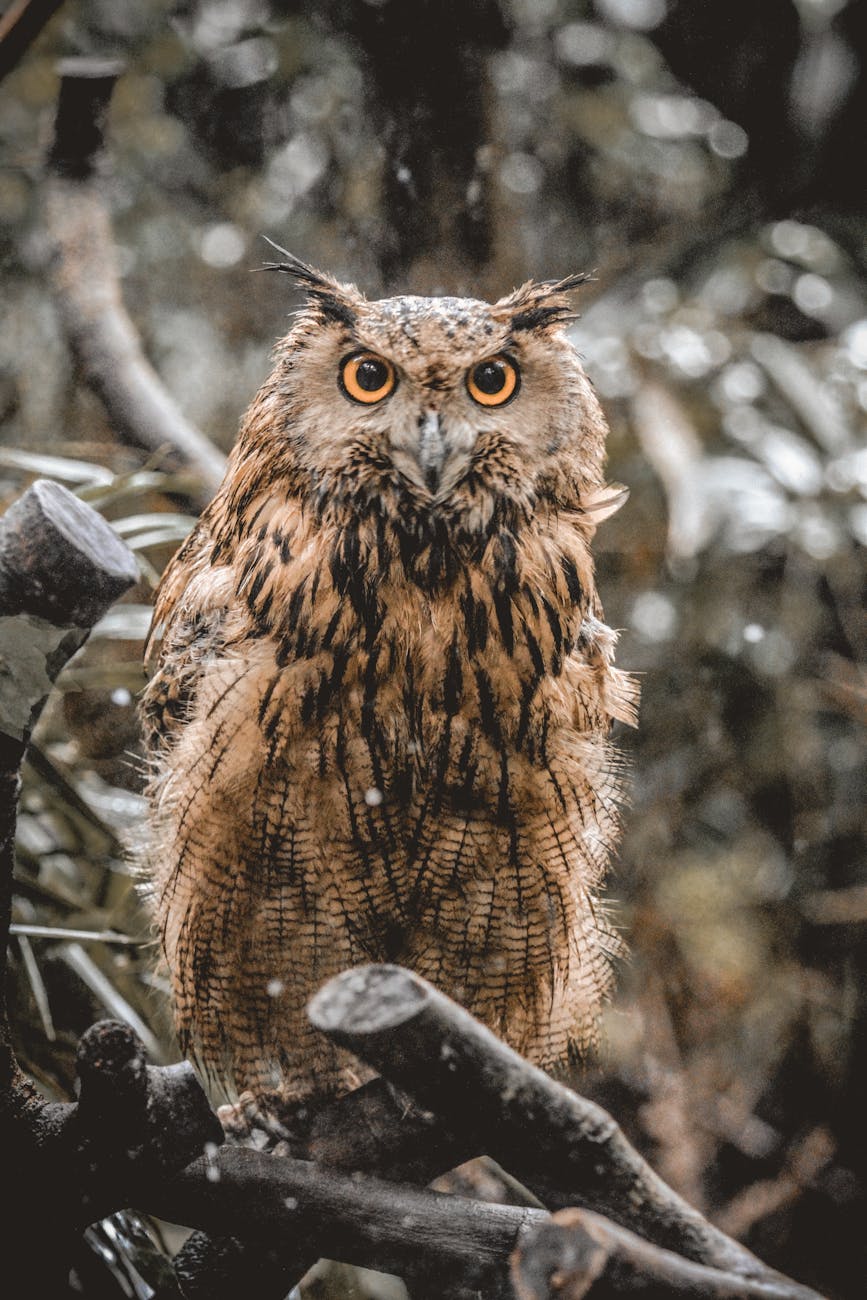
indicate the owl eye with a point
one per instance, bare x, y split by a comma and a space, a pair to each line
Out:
366, 378
494, 382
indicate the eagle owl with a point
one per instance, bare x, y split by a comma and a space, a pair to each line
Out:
379, 720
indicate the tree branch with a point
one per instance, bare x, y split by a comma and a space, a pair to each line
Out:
61, 567
19, 26
566, 1149
374, 1129
355, 1218
86, 283
577, 1253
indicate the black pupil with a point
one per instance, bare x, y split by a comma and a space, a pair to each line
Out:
371, 375
490, 377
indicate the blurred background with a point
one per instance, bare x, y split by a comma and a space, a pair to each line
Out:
705, 161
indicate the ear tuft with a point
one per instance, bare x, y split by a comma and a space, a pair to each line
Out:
541, 304
335, 301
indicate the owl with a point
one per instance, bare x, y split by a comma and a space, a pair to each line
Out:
378, 725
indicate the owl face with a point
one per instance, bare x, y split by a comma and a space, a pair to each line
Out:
458, 408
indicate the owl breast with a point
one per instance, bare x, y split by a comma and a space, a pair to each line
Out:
392, 752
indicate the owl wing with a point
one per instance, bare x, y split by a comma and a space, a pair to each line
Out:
203, 604
191, 609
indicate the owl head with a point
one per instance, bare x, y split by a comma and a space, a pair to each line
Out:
432, 409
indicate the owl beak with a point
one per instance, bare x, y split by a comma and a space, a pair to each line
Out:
431, 450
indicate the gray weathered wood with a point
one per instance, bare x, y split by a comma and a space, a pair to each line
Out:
565, 1148
355, 1218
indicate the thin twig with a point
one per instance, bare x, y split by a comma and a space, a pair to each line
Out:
27, 931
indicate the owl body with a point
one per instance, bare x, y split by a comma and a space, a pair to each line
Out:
379, 722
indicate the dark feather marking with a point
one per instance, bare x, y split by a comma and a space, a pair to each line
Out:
555, 624
434, 566
528, 690
535, 653
453, 681
333, 308
241, 506
296, 600
542, 317
308, 703
515, 864
503, 609
506, 560
487, 705
463, 796
543, 738
573, 582
331, 629
559, 792
504, 808
262, 614
341, 663
480, 626
266, 698
246, 569
467, 604
371, 684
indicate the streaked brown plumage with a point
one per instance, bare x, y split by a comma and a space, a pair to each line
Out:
379, 722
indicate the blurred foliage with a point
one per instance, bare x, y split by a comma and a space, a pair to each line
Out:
705, 160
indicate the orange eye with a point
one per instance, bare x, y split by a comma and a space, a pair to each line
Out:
367, 378
494, 382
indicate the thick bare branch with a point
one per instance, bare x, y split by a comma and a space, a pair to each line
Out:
356, 1218
287, 1212
565, 1148
87, 285
59, 560
374, 1129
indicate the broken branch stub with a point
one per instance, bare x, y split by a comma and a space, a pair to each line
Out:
60, 560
